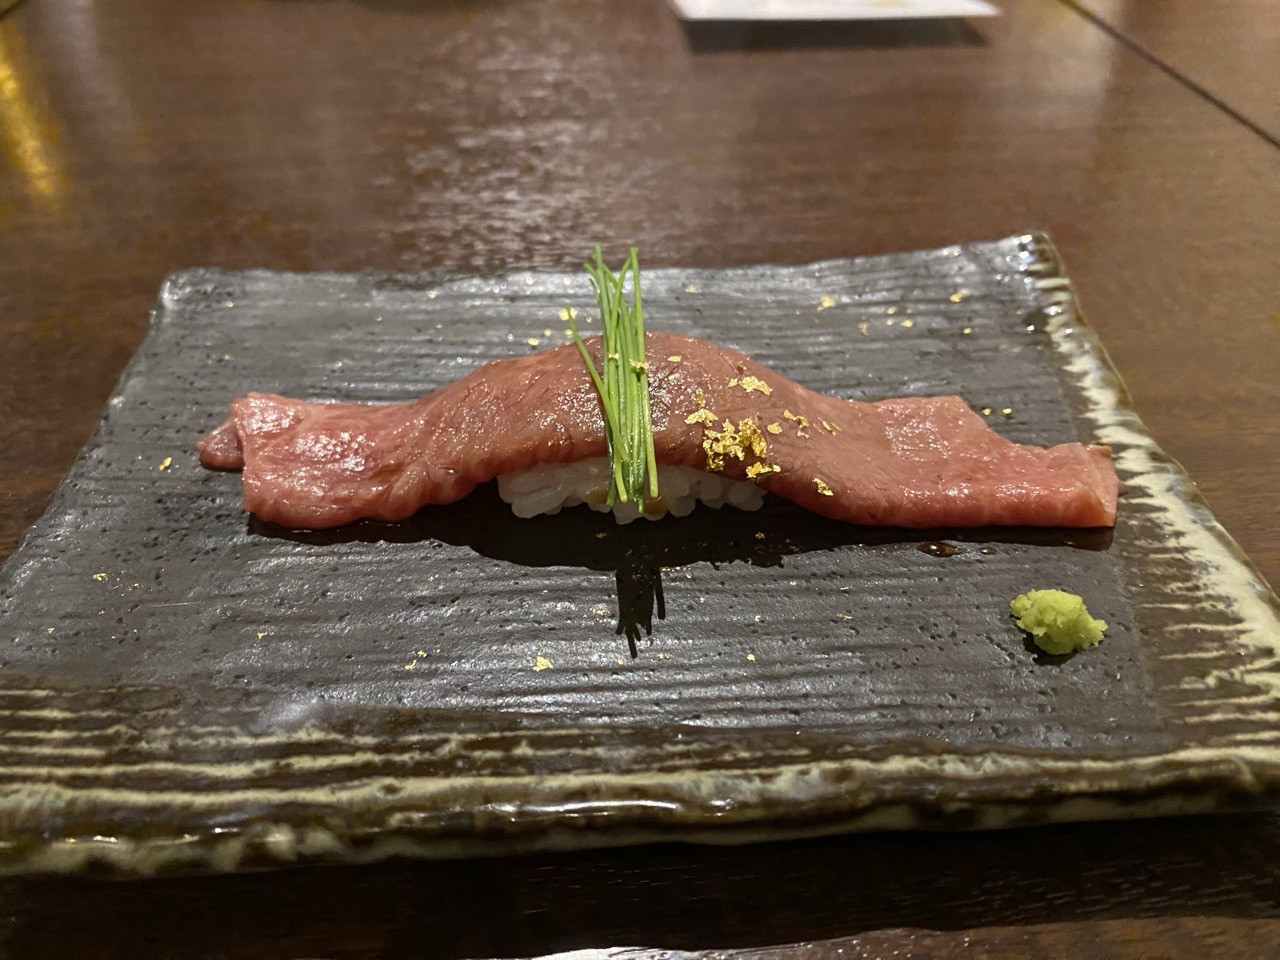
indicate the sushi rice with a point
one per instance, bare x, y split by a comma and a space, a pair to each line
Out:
546, 488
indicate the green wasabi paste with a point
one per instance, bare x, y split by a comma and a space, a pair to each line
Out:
1057, 621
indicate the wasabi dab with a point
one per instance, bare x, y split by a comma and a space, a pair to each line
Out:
1057, 621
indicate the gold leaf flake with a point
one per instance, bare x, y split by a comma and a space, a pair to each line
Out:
802, 422
986, 411
533, 341
755, 383
751, 656
774, 428
731, 440
908, 323
165, 463
958, 296
759, 536
829, 427
703, 416
863, 327
967, 330
691, 288
100, 577
411, 665
826, 303
822, 487
541, 663
675, 357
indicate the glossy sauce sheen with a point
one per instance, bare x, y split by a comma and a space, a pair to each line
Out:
912, 462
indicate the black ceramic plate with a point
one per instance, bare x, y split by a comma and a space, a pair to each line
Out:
185, 688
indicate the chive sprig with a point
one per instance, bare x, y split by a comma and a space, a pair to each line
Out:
623, 380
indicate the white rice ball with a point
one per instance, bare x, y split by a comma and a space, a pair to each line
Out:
548, 487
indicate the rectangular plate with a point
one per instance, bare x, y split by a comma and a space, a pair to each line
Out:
185, 688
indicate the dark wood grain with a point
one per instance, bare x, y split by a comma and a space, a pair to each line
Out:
141, 137
1225, 50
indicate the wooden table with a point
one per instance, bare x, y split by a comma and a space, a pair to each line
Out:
1224, 53
141, 137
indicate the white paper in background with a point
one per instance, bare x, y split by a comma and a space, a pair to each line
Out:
829, 9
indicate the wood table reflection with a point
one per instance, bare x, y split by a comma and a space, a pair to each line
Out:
141, 137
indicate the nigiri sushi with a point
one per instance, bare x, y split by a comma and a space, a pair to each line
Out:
726, 430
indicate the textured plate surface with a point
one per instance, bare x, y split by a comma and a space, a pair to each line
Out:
184, 688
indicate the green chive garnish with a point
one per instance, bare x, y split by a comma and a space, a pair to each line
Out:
622, 381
